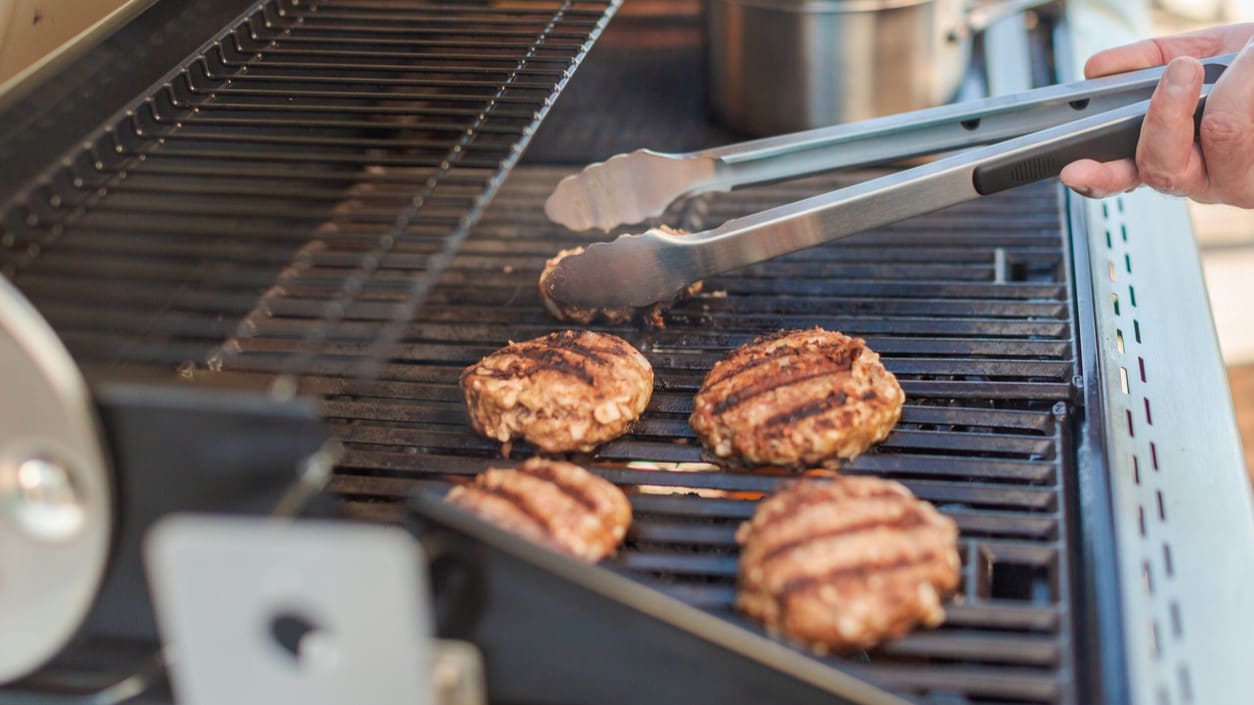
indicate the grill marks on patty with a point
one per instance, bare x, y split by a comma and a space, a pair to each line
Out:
747, 358
573, 490
799, 398
909, 521
561, 353
552, 503
567, 391
846, 563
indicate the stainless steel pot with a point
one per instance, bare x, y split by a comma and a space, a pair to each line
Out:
786, 65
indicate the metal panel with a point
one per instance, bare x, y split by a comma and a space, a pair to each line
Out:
1186, 523
1181, 498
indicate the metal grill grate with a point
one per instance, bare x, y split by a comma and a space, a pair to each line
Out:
970, 307
283, 202
335, 147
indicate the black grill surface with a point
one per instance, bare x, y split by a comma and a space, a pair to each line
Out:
969, 307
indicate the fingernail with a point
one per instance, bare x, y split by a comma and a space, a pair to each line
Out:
1179, 76
1083, 191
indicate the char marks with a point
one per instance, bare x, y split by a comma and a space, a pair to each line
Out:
546, 359
846, 563
807, 409
909, 520
806, 398
766, 386
547, 472
806, 582
553, 503
515, 499
837, 352
566, 391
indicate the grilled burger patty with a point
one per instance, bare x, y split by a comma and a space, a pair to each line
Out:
846, 563
800, 398
651, 315
555, 504
567, 391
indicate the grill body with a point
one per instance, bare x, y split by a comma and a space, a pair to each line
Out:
303, 205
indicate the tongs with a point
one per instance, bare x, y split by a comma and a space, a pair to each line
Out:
1027, 136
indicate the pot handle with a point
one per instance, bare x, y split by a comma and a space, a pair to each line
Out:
979, 15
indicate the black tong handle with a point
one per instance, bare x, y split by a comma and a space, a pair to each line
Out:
1117, 140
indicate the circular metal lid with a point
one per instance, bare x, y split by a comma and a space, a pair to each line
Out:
56, 497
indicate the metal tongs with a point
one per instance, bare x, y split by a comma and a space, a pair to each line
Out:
1029, 136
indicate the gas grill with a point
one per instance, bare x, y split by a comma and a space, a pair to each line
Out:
308, 223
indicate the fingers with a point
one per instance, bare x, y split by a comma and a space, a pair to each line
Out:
1099, 180
1156, 52
1227, 133
1167, 158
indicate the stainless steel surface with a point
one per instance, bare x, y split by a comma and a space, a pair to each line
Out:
44, 500
629, 188
258, 612
783, 66
638, 270
1184, 516
1186, 530
56, 503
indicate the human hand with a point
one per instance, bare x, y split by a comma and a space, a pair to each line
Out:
1216, 168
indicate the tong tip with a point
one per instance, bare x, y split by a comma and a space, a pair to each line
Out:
626, 188
633, 271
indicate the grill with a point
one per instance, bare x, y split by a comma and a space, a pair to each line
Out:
303, 204
970, 308
328, 154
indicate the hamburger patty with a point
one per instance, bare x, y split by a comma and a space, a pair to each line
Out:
567, 391
555, 504
846, 563
799, 399
650, 315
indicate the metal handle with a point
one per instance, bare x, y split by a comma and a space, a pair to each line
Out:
629, 188
943, 183
1117, 140
929, 131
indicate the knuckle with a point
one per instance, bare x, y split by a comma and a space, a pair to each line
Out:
1159, 179
1222, 128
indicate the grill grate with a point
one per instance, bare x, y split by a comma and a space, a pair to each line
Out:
970, 307
283, 202
320, 146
